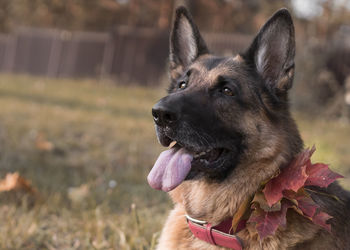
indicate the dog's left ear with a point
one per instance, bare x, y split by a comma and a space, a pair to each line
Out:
186, 43
272, 52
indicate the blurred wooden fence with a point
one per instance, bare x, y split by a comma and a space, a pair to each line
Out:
127, 54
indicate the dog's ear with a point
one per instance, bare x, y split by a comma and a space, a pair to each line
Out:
272, 52
186, 43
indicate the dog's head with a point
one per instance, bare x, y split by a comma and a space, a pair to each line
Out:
224, 110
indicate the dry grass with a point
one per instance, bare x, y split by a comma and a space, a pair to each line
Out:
92, 180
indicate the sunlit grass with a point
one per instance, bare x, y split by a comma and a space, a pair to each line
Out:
332, 141
92, 184
101, 134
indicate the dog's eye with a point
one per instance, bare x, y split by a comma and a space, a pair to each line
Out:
227, 91
182, 85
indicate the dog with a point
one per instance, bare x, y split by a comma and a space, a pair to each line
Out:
230, 128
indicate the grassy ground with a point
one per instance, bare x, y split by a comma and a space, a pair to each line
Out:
87, 147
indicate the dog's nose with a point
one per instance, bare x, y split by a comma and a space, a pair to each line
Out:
163, 116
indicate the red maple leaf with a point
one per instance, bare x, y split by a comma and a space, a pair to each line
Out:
287, 191
292, 177
321, 218
320, 175
268, 222
303, 201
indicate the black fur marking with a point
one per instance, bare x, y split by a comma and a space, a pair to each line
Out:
199, 129
212, 62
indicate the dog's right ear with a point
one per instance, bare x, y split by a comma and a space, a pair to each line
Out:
186, 43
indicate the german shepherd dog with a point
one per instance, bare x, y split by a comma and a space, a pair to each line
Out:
230, 119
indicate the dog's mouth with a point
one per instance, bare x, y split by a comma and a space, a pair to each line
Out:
174, 165
208, 157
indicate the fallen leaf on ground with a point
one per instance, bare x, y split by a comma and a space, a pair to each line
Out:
43, 144
78, 194
13, 181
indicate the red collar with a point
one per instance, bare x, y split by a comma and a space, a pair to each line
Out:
219, 235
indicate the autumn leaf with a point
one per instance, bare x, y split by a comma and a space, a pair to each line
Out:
259, 198
240, 213
320, 175
78, 194
287, 190
13, 181
303, 201
268, 222
293, 177
321, 219
43, 144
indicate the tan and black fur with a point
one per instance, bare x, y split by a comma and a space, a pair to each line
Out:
238, 106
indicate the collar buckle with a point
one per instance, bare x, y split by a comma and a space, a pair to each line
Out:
201, 222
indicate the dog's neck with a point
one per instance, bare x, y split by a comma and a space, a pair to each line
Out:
215, 202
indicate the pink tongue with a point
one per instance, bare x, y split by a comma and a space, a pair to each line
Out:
170, 169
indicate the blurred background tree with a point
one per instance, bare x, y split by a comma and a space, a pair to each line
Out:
243, 16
